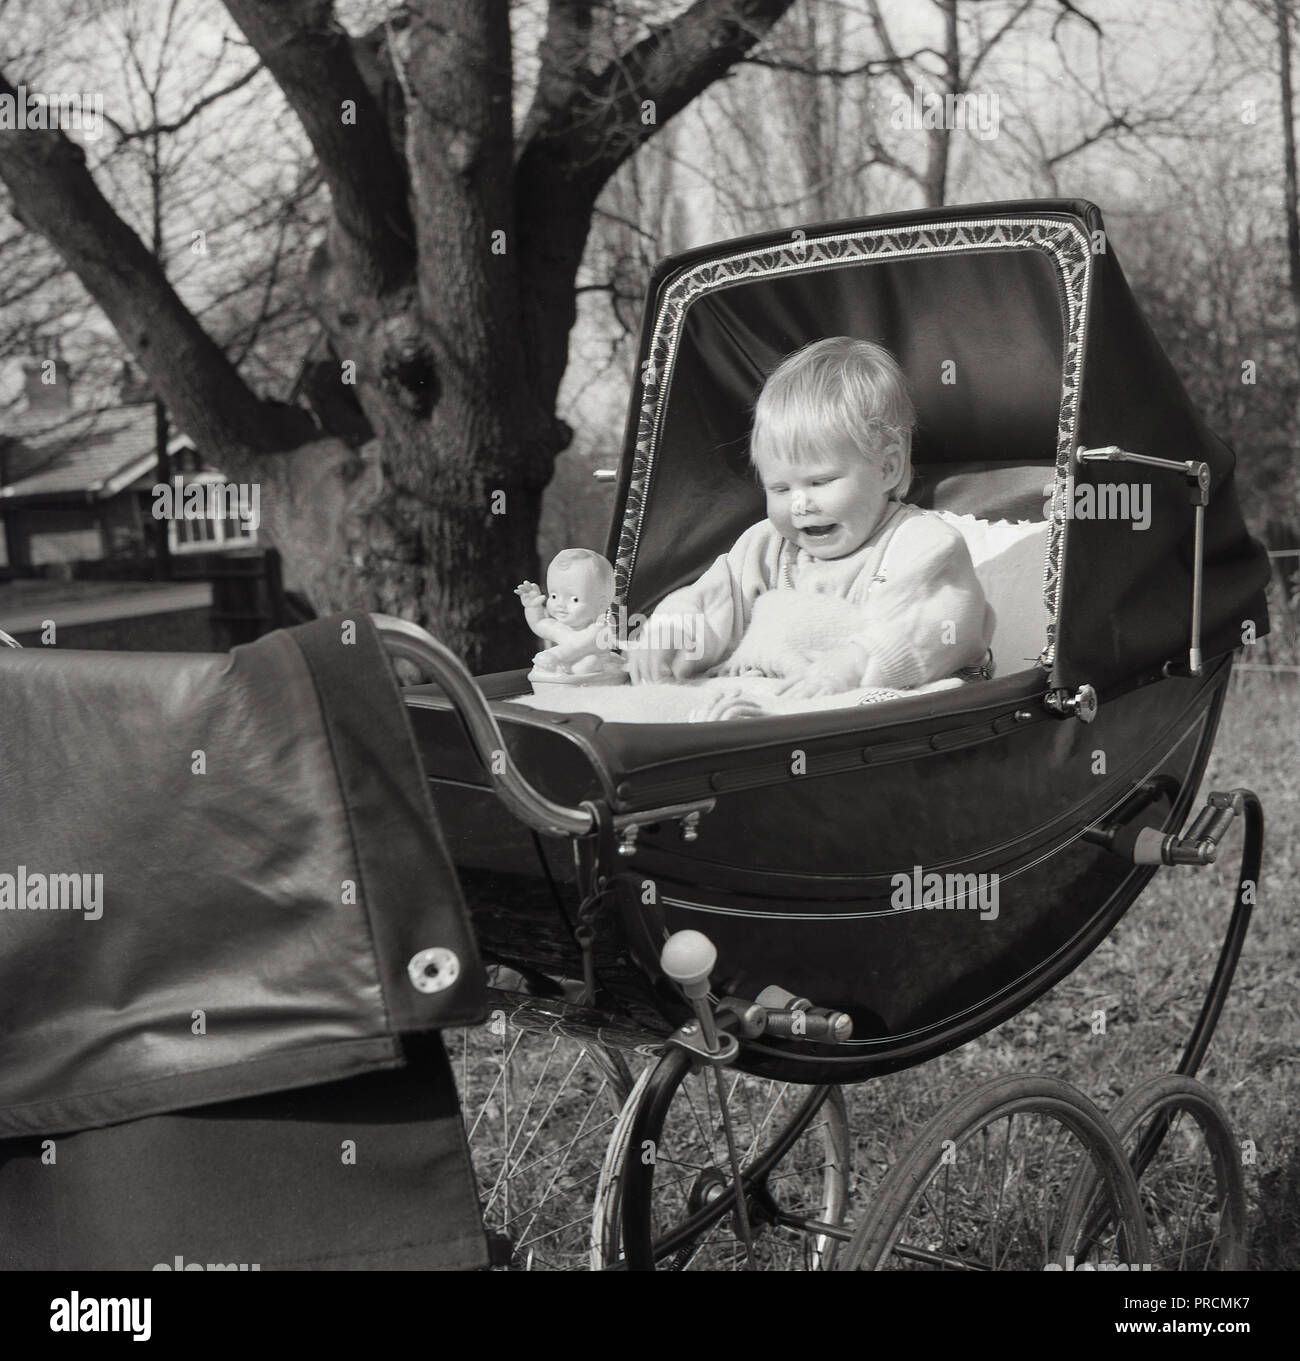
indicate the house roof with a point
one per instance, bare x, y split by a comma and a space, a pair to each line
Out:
76, 453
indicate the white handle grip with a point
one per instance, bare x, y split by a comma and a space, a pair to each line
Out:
688, 958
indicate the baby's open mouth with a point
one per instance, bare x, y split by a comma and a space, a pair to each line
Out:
818, 531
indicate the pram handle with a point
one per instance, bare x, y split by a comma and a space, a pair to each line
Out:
409, 641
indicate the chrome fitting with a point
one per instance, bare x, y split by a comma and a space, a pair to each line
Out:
691, 1037
1081, 705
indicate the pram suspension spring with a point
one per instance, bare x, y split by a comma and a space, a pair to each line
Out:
1199, 845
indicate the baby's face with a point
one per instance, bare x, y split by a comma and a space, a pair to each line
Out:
574, 595
831, 507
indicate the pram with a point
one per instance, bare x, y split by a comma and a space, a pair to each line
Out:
807, 851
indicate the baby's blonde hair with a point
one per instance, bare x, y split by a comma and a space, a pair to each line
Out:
833, 392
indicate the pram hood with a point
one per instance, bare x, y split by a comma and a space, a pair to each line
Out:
1021, 342
268, 871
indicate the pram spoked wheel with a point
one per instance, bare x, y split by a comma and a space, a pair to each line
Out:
1188, 1167
544, 1099
715, 1169
540, 1104
987, 1187
667, 1192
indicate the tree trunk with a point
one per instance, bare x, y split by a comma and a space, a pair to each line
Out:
939, 150
1291, 192
430, 551
447, 526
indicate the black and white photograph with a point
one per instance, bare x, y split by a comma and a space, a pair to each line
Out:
650, 635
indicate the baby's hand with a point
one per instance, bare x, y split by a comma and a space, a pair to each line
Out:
662, 651
732, 667
648, 665
726, 705
530, 593
835, 671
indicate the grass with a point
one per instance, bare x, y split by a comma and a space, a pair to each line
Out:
1149, 977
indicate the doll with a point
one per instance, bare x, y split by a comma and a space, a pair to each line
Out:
571, 616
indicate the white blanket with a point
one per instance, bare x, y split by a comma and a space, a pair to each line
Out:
708, 699
788, 630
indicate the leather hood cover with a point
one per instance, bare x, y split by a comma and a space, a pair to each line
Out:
254, 851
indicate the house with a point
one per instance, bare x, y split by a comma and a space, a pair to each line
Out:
76, 483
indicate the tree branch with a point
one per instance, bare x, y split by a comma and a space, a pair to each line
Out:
895, 64
268, 294
1117, 122
563, 55
874, 67
125, 134
1001, 32
571, 154
605, 120
54, 195
313, 61
1068, 9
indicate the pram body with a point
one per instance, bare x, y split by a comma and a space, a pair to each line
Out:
1022, 345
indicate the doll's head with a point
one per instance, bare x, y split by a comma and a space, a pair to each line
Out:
579, 587
832, 443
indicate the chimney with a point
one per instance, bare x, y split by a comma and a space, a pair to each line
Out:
48, 383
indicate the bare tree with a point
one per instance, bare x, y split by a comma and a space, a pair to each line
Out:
866, 116
446, 283
169, 106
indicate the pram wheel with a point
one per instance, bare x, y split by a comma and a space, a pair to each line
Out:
986, 1187
667, 1194
1188, 1168
540, 1103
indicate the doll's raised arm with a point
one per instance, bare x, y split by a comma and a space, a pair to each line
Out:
533, 599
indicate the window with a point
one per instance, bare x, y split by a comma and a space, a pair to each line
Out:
215, 529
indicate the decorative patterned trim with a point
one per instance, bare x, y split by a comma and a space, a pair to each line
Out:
1065, 242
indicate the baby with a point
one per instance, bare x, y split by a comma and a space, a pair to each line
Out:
570, 615
883, 594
